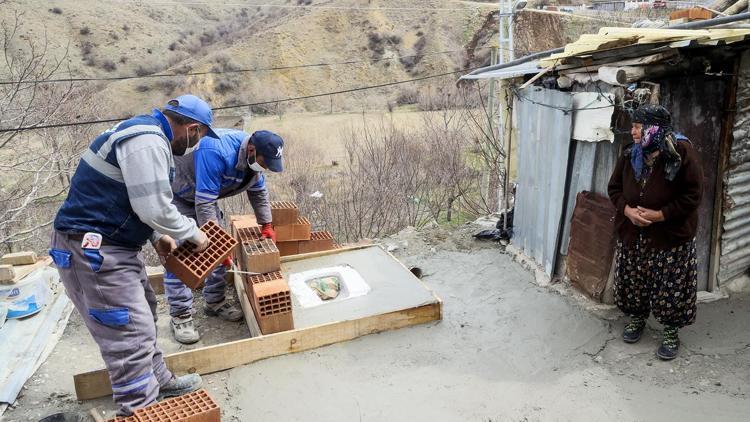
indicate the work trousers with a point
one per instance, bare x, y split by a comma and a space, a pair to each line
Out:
110, 289
179, 296
659, 281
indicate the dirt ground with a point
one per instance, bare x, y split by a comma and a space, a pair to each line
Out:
506, 350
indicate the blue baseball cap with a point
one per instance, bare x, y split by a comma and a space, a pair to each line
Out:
271, 147
194, 108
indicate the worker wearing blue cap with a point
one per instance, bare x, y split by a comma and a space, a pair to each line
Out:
219, 168
120, 197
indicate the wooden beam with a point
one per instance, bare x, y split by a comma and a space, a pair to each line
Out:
725, 148
19, 258
24, 270
225, 356
156, 280
537, 76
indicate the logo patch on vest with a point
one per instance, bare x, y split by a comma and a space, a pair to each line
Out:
91, 241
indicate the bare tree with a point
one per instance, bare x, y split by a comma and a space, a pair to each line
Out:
36, 164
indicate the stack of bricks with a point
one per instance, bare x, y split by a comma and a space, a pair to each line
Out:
268, 291
193, 267
197, 406
294, 233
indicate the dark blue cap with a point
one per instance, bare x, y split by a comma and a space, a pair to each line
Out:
194, 108
271, 147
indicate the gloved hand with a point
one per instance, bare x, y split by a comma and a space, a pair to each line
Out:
267, 232
227, 263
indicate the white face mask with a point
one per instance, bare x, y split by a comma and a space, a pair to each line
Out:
254, 166
190, 149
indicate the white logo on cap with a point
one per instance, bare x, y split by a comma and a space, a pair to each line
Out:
279, 150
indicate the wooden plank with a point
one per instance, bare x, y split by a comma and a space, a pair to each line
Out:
19, 258
225, 356
156, 279
537, 76
24, 270
252, 323
299, 257
7, 274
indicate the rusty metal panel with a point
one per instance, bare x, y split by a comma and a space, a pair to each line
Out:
591, 167
592, 243
735, 240
544, 129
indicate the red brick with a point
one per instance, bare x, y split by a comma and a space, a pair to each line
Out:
271, 300
288, 248
261, 256
300, 230
284, 213
197, 406
191, 267
319, 241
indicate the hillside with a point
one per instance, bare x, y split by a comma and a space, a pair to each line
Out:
115, 38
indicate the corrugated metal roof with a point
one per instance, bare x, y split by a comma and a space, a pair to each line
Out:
735, 240
509, 72
617, 38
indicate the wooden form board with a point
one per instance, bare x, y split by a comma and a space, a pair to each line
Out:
225, 356
24, 270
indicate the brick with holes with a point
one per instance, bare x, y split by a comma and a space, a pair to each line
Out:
261, 256
271, 300
284, 213
300, 230
197, 406
193, 267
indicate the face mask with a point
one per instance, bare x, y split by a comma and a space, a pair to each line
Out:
254, 166
189, 148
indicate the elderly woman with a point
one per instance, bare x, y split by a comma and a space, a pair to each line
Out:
656, 187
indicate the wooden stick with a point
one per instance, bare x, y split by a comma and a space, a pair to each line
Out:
537, 76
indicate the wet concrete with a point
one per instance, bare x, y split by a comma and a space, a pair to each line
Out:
507, 350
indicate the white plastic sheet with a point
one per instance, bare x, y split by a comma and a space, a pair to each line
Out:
352, 285
592, 117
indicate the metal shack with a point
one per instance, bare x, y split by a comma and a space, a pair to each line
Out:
571, 120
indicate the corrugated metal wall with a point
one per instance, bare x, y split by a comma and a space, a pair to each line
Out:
735, 240
543, 145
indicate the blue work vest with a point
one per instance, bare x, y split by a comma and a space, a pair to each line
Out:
98, 198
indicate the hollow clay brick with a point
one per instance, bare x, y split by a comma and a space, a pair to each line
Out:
284, 213
300, 230
271, 300
197, 406
288, 248
319, 241
261, 256
191, 267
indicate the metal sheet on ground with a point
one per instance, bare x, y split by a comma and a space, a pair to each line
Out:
393, 287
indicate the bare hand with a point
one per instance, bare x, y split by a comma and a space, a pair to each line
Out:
651, 215
201, 243
165, 245
635, 217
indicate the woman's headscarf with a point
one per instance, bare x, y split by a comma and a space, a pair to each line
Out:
657, 135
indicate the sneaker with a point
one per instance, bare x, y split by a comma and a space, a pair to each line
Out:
183, 329
669, 345
224, 310
178, 386
633, 330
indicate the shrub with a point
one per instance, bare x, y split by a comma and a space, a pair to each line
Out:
108, 65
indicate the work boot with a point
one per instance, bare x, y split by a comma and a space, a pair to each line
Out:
184, 329
670, 344
634, 329
178, 386
224, 310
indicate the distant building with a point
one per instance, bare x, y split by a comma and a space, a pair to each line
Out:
608, 5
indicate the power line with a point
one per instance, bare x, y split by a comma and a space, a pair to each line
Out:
227, 107
311, 6
217, 72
